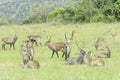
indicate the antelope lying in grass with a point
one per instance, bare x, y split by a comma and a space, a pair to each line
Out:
60, 46
104, 54
30, 63
94, 62
99, 46
34, 39
28, 48
77, 60
9, 41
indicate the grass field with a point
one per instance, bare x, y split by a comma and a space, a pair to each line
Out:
56, 68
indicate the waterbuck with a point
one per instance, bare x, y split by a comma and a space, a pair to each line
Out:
9, 41
60, 46
99, 43
79, 59
55, 47
66, 50
30, 63
35, 39
94, 62
67, 46
105, 54
28, 48
100, 46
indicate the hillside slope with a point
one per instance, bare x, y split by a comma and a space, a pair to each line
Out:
17, 10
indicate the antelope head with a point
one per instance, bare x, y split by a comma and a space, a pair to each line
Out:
114, 34
26, 58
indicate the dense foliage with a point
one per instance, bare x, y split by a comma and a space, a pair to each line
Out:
63, 11
82, 11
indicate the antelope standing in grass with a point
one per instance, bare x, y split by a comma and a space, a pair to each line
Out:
55, 47
94, 62
30, 63
77, 60
106, 54
67, 46
35, 39
60, 46
9, 41
66, 50
28, 48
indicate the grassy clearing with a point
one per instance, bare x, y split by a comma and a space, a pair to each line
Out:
56, 69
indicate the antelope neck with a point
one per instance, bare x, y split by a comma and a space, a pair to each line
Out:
90, 58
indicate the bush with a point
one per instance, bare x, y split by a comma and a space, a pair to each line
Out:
55, 13
110, 18
97, 18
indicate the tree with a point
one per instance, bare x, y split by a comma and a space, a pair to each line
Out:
39, 13
82, 11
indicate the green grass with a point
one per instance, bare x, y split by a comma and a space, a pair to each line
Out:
56, 68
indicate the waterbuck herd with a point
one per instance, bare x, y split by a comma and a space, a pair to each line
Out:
27, 50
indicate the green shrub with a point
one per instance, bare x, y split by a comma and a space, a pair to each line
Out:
110, 18
97, 18
56, 12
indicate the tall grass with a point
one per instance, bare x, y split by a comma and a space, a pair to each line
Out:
56, 68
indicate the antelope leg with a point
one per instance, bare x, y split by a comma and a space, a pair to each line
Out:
57, 54
63, 55
52, 54
13, 46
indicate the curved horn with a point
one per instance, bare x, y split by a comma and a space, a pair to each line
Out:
78, 45
50, 38
66, 36
72, 35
